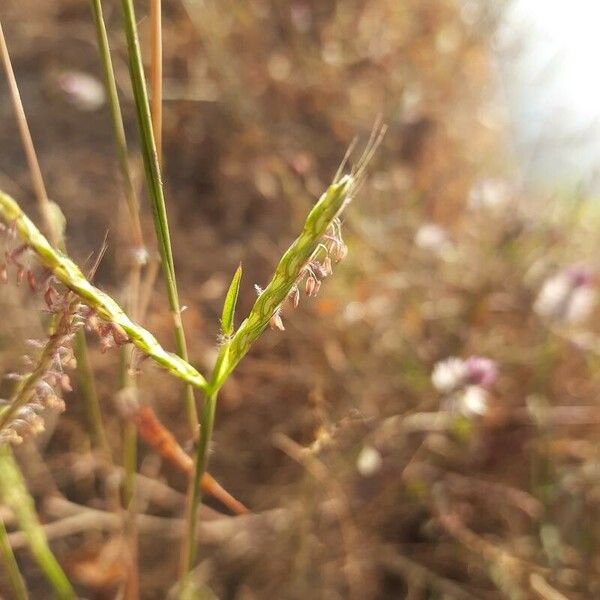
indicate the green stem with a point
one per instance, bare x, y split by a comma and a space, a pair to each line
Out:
129, 462
286, 276
90, 396
139, 258
117, 123
155, 189
10, 564
207, 421
130, 438
14, 494
129, 435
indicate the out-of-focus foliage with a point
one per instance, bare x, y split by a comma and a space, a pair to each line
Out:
391, 487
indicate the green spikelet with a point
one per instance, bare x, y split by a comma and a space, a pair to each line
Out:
68, 273
286, 273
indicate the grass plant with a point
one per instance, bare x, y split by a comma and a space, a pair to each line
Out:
78, 304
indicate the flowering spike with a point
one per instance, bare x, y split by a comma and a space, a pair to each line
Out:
67, 272
291, 269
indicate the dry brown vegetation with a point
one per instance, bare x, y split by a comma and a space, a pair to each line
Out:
364, 481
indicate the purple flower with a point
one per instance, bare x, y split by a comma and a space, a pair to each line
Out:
481, 371
568, 296
454, 373
580, 276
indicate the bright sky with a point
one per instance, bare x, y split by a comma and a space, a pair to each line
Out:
551, 56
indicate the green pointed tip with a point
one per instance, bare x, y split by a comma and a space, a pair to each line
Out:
227, 320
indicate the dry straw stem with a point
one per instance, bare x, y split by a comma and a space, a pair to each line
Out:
68, 273
156, 435
54, 224
32, 161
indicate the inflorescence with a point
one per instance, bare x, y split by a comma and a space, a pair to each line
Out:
41, 386
330, 250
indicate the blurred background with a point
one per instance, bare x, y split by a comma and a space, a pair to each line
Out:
428, 423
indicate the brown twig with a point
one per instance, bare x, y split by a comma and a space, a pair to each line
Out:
157, 436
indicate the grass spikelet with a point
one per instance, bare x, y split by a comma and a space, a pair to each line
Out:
41, 387
305, 248
68, 273
309, 257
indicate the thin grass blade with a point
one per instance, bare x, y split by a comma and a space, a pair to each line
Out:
14, 494
155, 189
